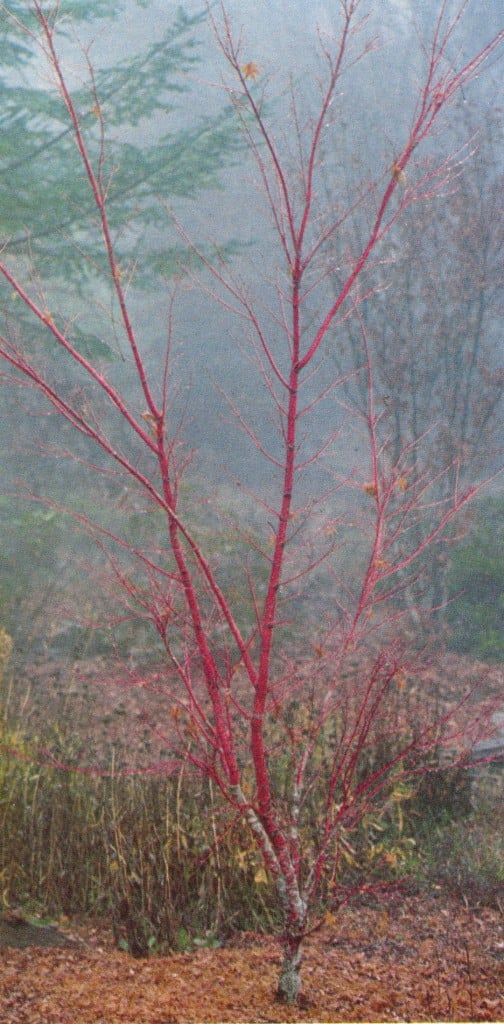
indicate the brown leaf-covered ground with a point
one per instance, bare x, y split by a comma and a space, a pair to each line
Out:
412, 958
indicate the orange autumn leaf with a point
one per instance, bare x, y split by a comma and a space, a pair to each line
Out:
398, 173
250, 70
400, 679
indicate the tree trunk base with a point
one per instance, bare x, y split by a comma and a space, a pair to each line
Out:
289, 982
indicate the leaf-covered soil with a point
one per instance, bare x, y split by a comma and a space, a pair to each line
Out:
411, 958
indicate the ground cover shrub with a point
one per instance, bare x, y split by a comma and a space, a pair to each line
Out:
441, 796
463, 857
166, 864
161, 859
141, 852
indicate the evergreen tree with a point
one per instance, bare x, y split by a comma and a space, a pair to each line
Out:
41, 179
146, 152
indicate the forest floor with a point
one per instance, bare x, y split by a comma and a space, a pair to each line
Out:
404, 958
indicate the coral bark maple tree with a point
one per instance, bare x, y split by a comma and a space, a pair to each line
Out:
241, 699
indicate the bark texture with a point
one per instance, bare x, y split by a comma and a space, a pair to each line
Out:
289, 982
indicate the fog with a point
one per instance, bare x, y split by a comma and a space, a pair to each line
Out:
211, 351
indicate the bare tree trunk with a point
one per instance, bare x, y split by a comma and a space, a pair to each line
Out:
289, 982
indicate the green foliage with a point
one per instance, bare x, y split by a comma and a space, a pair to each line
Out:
43, 184
476, 583
441, 796
16, 50
465, 858
29, 543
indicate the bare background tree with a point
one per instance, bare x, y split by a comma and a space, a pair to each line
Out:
433, 323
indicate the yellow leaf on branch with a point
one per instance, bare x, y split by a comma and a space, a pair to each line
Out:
398, 173
241, 857
260, 877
